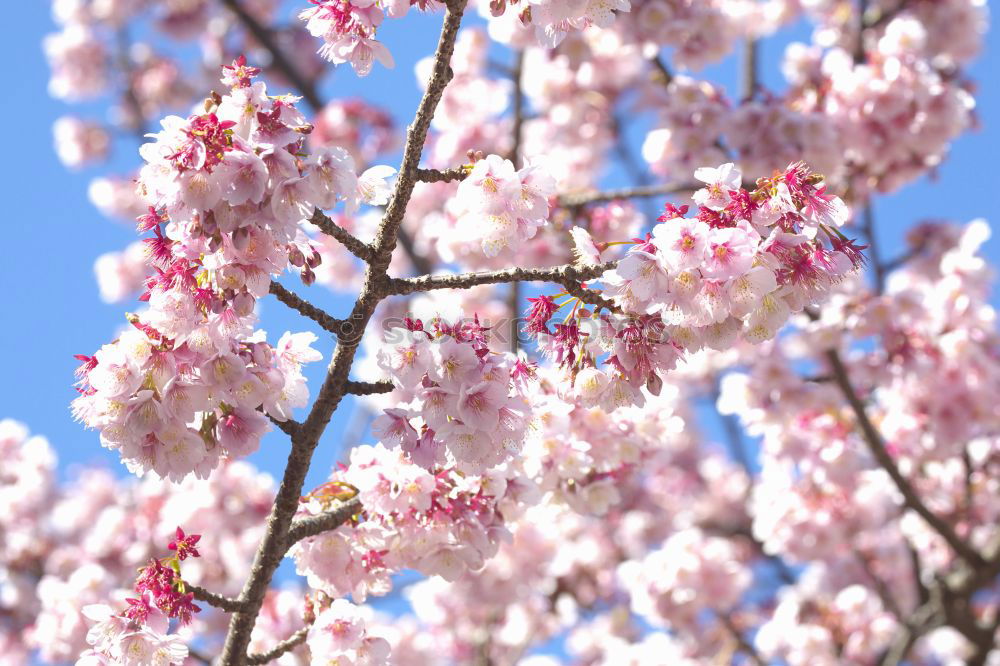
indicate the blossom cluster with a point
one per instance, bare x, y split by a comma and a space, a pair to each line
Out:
177, 406
505, 207
469, 404
347, 28
339, 635
228, 192
439, 523
737, 270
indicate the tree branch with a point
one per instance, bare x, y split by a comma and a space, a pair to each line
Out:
212, 599
662, 69
304, 528
124, 58
289, 426
198, 656
275, 542
514, 293
290, 643
278, 58
565, 274
582, 199
877, 448
368, 388
868, 228
749, 78
419, 261
446, 176
741, 642
358, 248
307, 309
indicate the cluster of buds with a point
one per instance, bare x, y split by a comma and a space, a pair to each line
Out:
140, 633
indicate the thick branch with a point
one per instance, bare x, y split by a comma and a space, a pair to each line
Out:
358, 248
368, 388
278, 57
290, 643
584, 198
877, 448
275, 542
307, 309
565, 274
324, 522
211, 598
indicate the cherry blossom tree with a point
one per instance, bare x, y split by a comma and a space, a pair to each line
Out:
539, 352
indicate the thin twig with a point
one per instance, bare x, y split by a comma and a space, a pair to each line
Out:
743, 644
749, 78
584, 198
212, 599
446, 176
661, 67
278, 58
198, 656
326, 321
128, 71
876, 446
734, 435
566, 273
288, 426
358, 248
859, 46
517, 130
290, 643
304, 528
868, 227
368, 388
419, 261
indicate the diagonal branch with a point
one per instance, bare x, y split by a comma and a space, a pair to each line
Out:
307, 309
358, 248
876, 446
273, 546
280, 61
304, 528
741, 642
290, 643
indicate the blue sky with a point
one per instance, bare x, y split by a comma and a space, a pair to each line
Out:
51, 308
